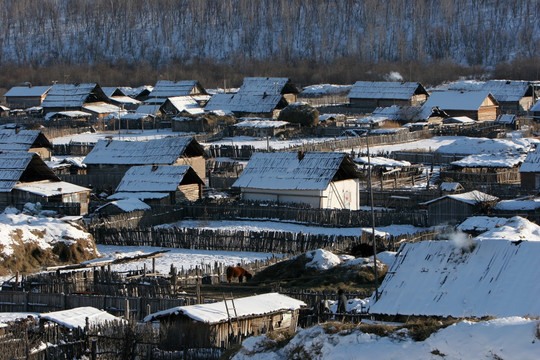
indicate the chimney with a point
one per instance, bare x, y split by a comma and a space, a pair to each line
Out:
300, 155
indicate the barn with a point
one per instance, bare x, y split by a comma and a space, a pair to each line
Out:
478, 105
454, 208
318, 179
227, 322
366, 96
160, 184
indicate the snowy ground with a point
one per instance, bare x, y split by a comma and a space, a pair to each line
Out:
181, 258
246, 225
263, 143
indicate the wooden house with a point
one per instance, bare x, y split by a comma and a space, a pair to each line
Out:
454, 208
64, 97
26, 178
69, 118
4, 110
389, 173
135, 121
535, 111
160, 184
101, 110
122, 206
319, 179
259, 127
262, 97
478, 105
325, 94
165, 89
25, 141
408, 114
513, 96
366, 96
140, 93
23, 97
530, 171
117, 156
447, 187
119, 98
485, 169
225, 323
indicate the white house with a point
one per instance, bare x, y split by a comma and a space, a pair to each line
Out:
321, 179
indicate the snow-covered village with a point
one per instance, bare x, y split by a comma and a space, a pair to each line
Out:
192, 185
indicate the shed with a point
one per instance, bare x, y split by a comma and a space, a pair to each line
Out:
530, 170
366, 96
478, 105
454, 208
181, 104
26, 96
178, 183
259, 127
486, 169
227, 322
117, 156
26, 141
140, 93
100, 110
80, 317
319, 179
535, 111
121, 206
165, 89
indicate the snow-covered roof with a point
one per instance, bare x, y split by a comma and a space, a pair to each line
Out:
458, 120
325, 89
502, 90
4, 108
135, 116
266, 85
124, 100
22, 140
504, 160
162, 178
438, 278
68, 95
134, 92
535, 107
385, 90
166, 88
245, 103
49, 188
284, 170
13, 165
74, 114
404, 113
76, 317
127, 205
506, 119
518, 204
27, 91
456, 100
472, 198
261, 124
514, 229
187, 104
450, 186
215, 313
481, 223
141, 195
111, 91
101, 108
149, 109
471, 146
381, 161
157, 151
532, 162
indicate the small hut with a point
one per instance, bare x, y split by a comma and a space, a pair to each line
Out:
227, 322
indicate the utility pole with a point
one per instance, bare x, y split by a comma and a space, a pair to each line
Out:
370, 184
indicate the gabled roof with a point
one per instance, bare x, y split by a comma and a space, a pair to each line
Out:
386, 90
138, 91
162, 178
457, 100
532, 162
74, 114
149, 109
165, 89
50, 188
215, 313
267, 85
246, 103
70, 95
101, 108
112, 91
285, 171
438, 278
24, 167
153, 152
535, 107
26, 91
22, 140
185, 103
508, 90
472, 198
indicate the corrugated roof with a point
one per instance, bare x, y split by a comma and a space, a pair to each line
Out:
502, 90
284, 171
68, 95
157, 151
25, 91
14, 164
245, 103
385, 90
532, 162
165, 88
456, 100
22, 140
262, 85
163, 178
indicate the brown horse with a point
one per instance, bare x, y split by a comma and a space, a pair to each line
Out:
239, 272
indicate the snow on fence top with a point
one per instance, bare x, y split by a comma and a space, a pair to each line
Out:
438, 278
74, 318
248, 306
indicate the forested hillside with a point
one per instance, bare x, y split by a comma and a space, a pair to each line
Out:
158, 32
